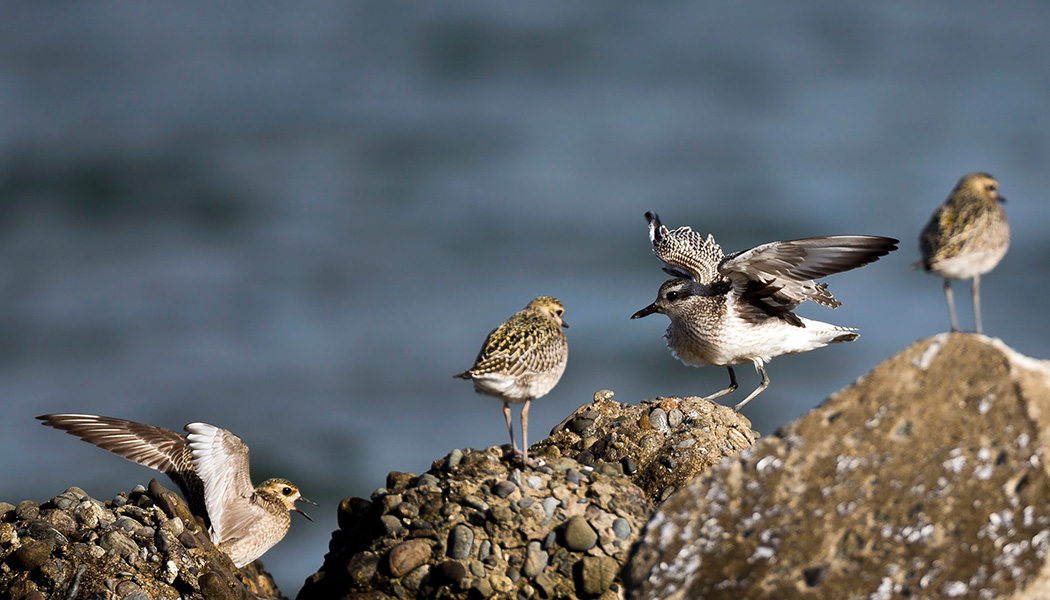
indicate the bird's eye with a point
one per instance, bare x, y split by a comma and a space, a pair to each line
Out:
559, 312
672, 296
287, 491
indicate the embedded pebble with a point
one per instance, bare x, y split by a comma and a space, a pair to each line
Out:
579, 535
596, 575
42, 530
621, 528
630, 466
504, 489
451, 571
27, 510
534, 482
118, 543
426, 480
454, 459
549, 504
535, 559
474, 502
406, 556
675, 417
658, 419
461, 540
391, 525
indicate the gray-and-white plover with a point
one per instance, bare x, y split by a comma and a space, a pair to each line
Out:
737, 309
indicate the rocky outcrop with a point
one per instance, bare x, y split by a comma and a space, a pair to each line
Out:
927, 478
477, 526
139, 546
661, 443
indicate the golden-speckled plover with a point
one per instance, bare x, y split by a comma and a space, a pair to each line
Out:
965, 238
210, 466
737, 309
522, 360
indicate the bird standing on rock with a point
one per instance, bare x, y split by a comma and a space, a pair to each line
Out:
965, 238
737, 309
210, 466
522, 360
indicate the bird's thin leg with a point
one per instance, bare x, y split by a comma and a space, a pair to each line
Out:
951, 304
525, 435
761, 386
975, 292
510, 427
732, 387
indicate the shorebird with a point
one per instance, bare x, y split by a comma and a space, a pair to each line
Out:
522, 360
210, 466
737, 309
965, 238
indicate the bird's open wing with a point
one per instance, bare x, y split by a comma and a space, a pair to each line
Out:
685, 253
221, 461
785, 272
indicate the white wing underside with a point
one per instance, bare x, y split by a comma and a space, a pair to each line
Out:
221, 460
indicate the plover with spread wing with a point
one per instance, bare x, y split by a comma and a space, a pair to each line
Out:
737, 309
965, 238
210, 466
522, 360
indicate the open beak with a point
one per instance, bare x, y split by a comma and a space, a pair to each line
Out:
645, 312
296, 508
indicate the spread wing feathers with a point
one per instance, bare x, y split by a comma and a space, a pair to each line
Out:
685, 253
148, 445
526, 343
221, 460
784, 271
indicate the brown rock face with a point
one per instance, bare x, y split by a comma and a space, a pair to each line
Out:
925, 479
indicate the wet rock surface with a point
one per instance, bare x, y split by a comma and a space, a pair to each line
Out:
661, 444
928, 478
143, 545
478, 526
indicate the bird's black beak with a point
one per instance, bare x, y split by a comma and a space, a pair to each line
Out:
296, 508
564, 324
645, 312
1001, 199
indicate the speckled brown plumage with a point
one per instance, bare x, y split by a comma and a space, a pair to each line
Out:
522, 359
965, 238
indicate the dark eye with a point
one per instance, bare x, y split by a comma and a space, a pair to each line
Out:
672, 295
559, 312
287, 491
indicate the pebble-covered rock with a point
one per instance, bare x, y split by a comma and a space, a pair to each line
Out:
661, 444
143, 545
562, 530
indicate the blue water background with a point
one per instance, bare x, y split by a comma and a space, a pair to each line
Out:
298, 221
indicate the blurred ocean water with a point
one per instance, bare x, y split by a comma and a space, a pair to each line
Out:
297, 223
